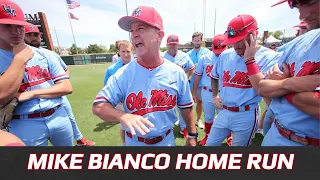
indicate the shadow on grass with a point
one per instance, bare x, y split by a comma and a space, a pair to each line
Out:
104, 126
176, 131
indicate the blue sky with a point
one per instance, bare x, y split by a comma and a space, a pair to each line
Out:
98, 22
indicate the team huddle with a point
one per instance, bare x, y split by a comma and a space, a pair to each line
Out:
145, 94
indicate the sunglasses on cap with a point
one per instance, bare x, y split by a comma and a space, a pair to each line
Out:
219, 47
232, 33
294, 3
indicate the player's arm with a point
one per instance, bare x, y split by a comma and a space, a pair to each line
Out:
68, 72
199, 70
187, 114
277, 88
308, 102
11, 80
196, 84
192, 68
190, 73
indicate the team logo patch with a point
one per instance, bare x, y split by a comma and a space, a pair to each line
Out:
7, 9
307, 68
31, 28
36, 76
136, 12
160, 100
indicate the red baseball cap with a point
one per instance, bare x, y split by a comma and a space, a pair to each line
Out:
217, 46
173, 39
144, 14
31, 29
239, 27
280, 2
11, 13
302, 24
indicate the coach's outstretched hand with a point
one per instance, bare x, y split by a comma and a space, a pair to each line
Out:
22, 52
136, 122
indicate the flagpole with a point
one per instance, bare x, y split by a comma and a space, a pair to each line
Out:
74, 39
57, 38
127, 15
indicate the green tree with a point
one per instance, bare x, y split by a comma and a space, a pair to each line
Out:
103, 48
278, 34
73, 49
94, 48
163, 49
270, 33
112, 48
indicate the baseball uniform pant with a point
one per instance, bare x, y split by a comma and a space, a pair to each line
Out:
182, 123
267, 121
67, 106
167, 141
208, 106
38, 131
242, 124
274, 138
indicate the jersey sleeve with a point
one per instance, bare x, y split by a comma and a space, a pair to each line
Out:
190, 65
62, 63
184, 99
111, 93
200, 67
56, 71
268, 61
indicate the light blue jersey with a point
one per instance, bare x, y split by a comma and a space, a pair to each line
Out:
152, 93
205, 67
303, 57
195, 56
112, 70
181, 59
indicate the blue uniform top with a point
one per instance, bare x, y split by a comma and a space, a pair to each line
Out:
42, 71
195, 56
303, 57
235, 87
181, 59
112, 70
151, 93
204, 68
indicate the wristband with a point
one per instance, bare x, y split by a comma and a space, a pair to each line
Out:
192, 135
289, 97
253, 69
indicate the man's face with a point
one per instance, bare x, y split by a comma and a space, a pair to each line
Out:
172, 49
145, 39
309, 13
240, 46
33, 39
11, 34
197, 42
125, 52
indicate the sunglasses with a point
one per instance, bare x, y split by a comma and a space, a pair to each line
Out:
232, 33
219, 47
294, 3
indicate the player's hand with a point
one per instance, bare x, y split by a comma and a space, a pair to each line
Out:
25, 96
276, 74
191, 142
23, 52
136, 123
217, 101
252, 48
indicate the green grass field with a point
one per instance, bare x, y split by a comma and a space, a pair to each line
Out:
87, 80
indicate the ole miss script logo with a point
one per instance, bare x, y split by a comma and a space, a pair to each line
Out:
209, 70
36, 76
308, 68
160, 101
239, 80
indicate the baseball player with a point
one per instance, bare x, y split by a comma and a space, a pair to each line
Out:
203, 72
195, 54
116, 57
302, 28
294, 86
149, 87
183, 60
27, 74
33, 38
125, 51
233, 90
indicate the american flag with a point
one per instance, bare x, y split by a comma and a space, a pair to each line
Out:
72, 4
72, 16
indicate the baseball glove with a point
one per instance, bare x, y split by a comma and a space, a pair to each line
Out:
6, 113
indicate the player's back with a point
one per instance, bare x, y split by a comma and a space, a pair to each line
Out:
303, 57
